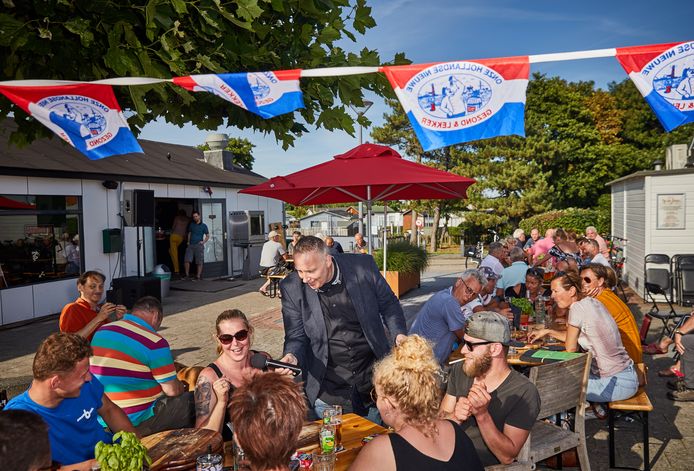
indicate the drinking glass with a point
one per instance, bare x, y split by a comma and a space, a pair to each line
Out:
333, 415
323, 461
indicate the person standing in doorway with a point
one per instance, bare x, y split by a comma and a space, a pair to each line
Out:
198, 235
179, 228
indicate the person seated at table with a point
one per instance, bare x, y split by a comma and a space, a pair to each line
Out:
486, 300
683, 388
407, 385
229, 371
538, 251
495, 405
591, 327
532, 288
272, 253
334, 247
24, 444
440, 319
136, 367
296, 235
561, 240
268, 413
494, 260
69, 399
514, 274
591, 252
86, 313
598, 281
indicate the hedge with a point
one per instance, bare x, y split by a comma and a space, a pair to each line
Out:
575, 219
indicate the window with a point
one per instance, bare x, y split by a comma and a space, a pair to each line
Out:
39, 239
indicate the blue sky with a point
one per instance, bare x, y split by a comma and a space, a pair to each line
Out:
443, 30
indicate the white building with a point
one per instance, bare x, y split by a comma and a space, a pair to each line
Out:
49, 193
654, 212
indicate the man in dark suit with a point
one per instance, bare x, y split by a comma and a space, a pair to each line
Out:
335, 311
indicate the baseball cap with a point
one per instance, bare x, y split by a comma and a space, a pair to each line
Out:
489, 273
272, 234
490, 326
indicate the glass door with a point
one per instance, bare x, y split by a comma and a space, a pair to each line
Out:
215, 260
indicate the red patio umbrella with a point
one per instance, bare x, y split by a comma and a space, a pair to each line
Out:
369, 172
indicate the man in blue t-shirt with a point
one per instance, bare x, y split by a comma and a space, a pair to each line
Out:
198, 235
69, 399
441, 319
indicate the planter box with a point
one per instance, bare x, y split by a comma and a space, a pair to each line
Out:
401, 283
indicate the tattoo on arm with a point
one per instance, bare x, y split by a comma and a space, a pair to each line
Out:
203, 395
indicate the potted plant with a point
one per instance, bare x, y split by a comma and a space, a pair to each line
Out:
404, 265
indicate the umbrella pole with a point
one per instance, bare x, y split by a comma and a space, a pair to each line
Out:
368, 217
385, 237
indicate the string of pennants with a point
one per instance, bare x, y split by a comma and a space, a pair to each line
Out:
447, 102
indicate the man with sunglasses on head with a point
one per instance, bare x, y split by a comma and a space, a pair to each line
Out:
495, 405
135, 365
441, 320
336, 310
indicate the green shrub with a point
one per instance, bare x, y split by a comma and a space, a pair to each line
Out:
403, 257
575, 219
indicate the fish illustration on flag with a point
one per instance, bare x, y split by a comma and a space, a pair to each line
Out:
85, 116
664, 74
453, 102
267, 94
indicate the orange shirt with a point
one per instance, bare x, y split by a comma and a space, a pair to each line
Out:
626, 323
76, 315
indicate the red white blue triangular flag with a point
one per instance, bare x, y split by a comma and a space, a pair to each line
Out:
85, 116
664, 74
453, 102
267, 94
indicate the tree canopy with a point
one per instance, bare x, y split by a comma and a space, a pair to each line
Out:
577, 139
96, 39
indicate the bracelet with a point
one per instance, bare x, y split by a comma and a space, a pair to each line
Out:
678, 331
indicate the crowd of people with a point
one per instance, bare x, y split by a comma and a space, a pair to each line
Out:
110, 370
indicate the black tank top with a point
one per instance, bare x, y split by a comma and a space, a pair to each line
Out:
464, 457
227, 431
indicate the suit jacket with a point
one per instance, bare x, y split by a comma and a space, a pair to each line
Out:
305, 333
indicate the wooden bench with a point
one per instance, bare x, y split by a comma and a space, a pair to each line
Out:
274, 288
638, 404
562, 387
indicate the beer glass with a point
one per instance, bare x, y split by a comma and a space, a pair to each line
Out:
333, 415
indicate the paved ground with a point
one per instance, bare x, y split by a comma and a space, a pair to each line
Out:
189, 324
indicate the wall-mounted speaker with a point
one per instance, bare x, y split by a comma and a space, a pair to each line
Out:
137, 208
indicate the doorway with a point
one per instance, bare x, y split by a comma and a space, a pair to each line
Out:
212, 212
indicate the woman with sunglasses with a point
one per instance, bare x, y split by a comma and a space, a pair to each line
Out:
231, 370
407, 391
590, 326
598, 281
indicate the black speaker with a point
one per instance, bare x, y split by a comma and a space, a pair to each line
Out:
144, 208
128, 289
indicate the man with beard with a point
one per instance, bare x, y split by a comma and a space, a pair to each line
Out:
495, 405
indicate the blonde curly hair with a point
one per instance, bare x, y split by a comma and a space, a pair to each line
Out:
411, 376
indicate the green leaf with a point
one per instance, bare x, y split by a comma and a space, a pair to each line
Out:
9, 28
248, 9
45, 33
180, 6
328, 35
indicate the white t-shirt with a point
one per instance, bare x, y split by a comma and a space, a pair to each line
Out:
599, 335
271, 254
600, 258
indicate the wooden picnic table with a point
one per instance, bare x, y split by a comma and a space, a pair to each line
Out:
354, 429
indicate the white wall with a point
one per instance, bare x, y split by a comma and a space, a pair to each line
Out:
100, 209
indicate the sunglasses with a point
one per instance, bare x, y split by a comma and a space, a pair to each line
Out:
587, 280
374, 395
240, 336
470, 345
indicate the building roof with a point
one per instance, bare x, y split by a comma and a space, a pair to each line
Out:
652, 173
53, 158
341, 213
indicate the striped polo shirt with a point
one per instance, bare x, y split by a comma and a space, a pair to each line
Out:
131, 360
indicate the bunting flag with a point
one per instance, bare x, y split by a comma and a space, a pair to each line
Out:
664, 74
267, 94
85, 116
453, 102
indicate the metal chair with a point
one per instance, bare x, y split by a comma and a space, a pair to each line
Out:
658, 282
684, 278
